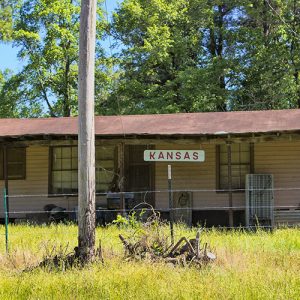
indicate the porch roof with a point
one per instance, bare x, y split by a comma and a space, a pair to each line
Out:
187, 124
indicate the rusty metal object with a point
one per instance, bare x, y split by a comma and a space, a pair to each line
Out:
185, 252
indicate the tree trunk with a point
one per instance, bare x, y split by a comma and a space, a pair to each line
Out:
216, 49
86, 131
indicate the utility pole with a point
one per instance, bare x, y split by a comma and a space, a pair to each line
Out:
86, 131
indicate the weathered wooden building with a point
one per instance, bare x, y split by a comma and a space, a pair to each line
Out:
38, 163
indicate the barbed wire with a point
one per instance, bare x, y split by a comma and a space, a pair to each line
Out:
164, 209
62, 195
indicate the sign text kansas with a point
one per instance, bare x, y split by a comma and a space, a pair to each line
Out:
174, 155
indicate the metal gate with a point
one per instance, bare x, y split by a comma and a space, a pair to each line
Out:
259, 200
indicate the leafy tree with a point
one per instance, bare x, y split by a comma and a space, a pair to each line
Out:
6, 18
161, 65
47, 33
206, 55
268, 71
173, 56
176, 56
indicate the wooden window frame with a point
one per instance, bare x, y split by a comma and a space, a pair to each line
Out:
50, 170
152, 168
218, 177
23, 161
115, 166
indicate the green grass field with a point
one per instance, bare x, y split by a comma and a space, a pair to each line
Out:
259, 265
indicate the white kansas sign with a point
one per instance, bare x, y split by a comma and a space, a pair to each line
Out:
174, 155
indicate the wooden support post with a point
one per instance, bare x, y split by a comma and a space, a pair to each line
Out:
86, 131
6, 179
121, 163
230, 211
171, 204
6, 219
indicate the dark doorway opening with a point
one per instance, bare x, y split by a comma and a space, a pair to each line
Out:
139, 174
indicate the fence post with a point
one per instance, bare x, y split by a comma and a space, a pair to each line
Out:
171, 206
6, 218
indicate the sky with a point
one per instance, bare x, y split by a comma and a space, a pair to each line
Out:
8, 53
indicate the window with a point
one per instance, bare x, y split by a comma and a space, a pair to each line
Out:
16, 163
64, 169
241, 164
105, 168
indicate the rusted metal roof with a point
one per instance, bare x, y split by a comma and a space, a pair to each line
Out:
211, 123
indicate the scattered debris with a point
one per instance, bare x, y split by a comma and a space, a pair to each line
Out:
185, 252
61, 259
152, 243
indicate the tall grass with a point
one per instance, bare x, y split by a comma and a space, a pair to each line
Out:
260, 265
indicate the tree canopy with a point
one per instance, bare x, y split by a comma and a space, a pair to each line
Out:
47, 33
168, 56
200, 55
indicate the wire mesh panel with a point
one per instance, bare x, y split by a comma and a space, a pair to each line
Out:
259, 200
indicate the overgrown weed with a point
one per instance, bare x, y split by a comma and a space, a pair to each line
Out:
250, 265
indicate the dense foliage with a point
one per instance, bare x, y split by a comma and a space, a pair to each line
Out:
169, 56
203, 55
47, 33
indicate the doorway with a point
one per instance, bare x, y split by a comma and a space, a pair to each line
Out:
139, 174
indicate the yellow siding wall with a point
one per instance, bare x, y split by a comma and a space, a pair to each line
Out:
32, 192
282, 159
193, 176
36, 182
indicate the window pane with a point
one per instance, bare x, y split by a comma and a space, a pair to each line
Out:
66, 152
74, 178
15, 154
223, 171
15, 170
66, 164
240, 165
56, 182
245, 148
65, 168
223, 158
56, 163
103, 153
75, 152
235, 157
56, 152
236, 183
62, 174
16, 163
105, 164
104, 176
74, 163
245, 157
